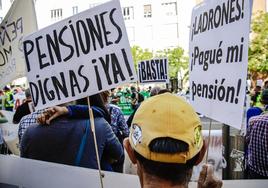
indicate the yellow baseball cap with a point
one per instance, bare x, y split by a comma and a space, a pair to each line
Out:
166, 115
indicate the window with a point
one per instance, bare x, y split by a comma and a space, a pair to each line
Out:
93, 5
170, 9
75, 10
128, 13
169, 31
56, 14
147, 11
131, 33
148, 32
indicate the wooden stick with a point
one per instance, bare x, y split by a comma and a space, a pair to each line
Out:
210, 122
91, 117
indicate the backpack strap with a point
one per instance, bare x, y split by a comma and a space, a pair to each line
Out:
82, 145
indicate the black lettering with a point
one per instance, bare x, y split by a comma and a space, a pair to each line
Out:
143, 73
85, 78
105, 32
84, 44
34, 92
162, 71
66, 45
19, 25
153, 69
40, 55
95, 33
60, 86
105, 65
148, 70
75, 38
97, 75
53, 44
27, 52
49, 94
126, 62
231, 16
41, 91
13, 31
116, 68
73, 82
116, 25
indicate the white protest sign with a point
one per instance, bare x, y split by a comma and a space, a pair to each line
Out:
19, 21
215, 157
219, 40
79, 56
21, 172
153, 70
10, 132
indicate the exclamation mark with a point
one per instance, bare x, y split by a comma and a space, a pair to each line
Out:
127, 64
165, 68
242, 15
238, 90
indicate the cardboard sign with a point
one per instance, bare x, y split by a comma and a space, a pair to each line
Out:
79, 56
19, 21
20, 172
153, 70
10, 133
215, 157
219, 39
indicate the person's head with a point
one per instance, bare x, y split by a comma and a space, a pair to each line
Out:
28, 94
164, 91
265, 85
133, 89
264, 97
105, 96
154, 91
6, 89
165, 140
96, 100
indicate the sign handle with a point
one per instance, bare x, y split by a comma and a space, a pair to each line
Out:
210, 122
91, 117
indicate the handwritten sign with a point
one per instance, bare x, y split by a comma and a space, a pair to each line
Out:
153, 70
219, 40
79, 56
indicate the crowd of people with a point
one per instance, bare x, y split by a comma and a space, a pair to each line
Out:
162, 134
256, 150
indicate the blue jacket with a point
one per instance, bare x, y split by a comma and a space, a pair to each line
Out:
60, 142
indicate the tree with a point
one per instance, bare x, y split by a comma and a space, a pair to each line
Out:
177, 63
139, 54
258, 50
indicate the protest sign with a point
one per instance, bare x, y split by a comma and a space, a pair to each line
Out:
153, 70
19, 21
218, 51
79, 56
10, 132
215, 157
21, 172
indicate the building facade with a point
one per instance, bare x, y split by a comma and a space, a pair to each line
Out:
151, 24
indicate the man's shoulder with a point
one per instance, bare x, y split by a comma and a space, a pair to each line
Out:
32, 115
259, 118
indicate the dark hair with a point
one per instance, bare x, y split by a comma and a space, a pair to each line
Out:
164, 91
96, 100
178, 174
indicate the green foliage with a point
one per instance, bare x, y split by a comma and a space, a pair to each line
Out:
177, 61
258, 50
139, 54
